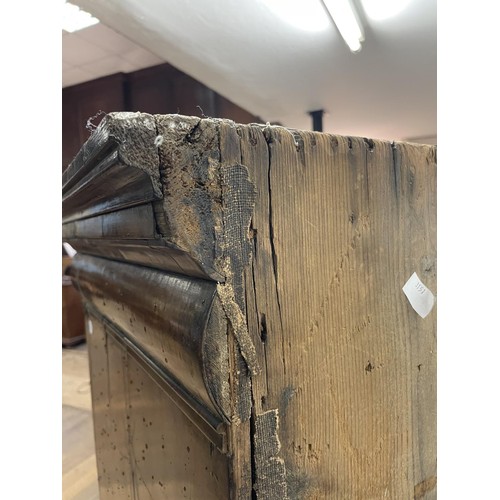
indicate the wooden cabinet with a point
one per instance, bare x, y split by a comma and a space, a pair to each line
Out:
159, 89
73, 330
247, 329
82, 102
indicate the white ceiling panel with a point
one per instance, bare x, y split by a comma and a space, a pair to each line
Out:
141, 58
77, 51
99, 51
109, 40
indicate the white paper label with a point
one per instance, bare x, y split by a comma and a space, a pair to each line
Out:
420, 297
90, 327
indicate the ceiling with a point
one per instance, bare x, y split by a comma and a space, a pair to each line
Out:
269, 66
99, 51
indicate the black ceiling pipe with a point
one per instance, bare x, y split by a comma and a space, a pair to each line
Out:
317, 117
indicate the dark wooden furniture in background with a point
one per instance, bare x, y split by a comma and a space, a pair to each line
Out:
160, 89
73, 329
247, 330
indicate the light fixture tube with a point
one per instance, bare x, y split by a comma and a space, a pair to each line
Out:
345, 18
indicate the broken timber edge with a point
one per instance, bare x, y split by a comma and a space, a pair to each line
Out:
309, 238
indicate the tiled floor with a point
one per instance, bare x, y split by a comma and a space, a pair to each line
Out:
79, 471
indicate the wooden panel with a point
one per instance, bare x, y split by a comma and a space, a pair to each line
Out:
171, 458
146, 446
341, 224
109, 385
164, 89
227, 109
83, 101
150, 90
188, 95
73, 330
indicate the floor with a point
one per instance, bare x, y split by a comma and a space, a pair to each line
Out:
79, 470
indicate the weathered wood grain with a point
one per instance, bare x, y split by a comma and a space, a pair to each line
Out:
340, 224
324, 373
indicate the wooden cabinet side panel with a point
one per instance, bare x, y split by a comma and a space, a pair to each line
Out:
418, 187
171, 458
340, 224
107, 374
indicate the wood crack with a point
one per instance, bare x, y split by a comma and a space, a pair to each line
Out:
396, 166
274, 256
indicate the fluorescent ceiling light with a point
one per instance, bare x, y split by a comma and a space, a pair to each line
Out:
383, 9
306, 15
345, 18
75, 19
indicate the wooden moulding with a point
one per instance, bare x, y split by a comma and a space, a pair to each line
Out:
323, 374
